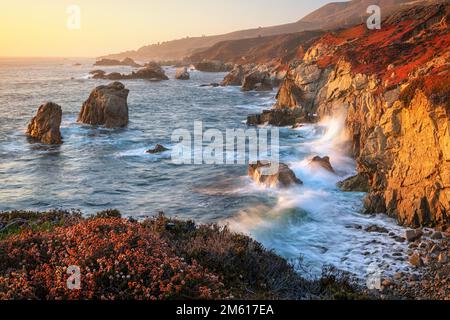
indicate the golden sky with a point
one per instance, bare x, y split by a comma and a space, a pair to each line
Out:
38, 28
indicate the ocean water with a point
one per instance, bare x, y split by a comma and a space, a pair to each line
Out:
98, 168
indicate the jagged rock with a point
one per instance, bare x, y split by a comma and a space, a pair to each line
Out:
106, 105
356, 183
158, 149
413, 235
45, 126
285, 177
323, 162
397, 121
182, 74
235, 77
213, 66
257, 80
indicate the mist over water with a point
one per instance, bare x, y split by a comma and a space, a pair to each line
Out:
98, 168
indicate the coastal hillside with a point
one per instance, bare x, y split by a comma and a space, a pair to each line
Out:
283, 48
334, 15
392, 86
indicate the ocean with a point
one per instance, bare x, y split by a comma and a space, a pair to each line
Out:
98, 168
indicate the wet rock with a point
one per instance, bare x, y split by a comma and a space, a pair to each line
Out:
45, 126
158, 149
323, 162
356, 183
415, 260
377, 229
284, 176
275, 117
213, 84
398, 276
436, 236
443, 258
98, 74
106, 105
182, 74
413, 235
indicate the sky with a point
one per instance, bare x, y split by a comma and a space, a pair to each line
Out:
51, 28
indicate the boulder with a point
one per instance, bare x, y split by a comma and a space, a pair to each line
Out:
106, 105
356, 183
413, 235
415, 260
158, 149
151, 71
182, 74
323, 162
285, 177
45, 126
98, 74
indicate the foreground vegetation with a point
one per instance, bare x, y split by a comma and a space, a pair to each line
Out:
158, 258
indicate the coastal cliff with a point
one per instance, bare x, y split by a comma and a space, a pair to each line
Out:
392, 86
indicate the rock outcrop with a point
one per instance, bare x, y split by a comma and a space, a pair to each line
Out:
285, 177
182, 74
45, 126
322, 163
112, 62
107, 105
392, 86
151, 72
213, 66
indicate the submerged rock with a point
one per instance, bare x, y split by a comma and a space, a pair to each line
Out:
45, 126
323, 162
158, 149
356, 183
106, 105
285, 177
213, 84
182, 74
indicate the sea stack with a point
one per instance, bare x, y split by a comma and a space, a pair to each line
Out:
107, 105
45, 126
